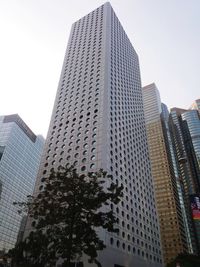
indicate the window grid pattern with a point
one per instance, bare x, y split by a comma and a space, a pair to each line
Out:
98, 121
75, 129
137, 218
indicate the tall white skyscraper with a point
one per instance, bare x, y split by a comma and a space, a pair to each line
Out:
98, 122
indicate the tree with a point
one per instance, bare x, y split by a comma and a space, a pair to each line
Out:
66, 214
185, 260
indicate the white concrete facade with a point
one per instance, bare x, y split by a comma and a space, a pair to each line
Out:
98, 122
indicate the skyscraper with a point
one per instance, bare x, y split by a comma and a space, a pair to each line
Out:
98, 122
185, 130
167, 198
20, 155
180, 189
196, 105
191, 119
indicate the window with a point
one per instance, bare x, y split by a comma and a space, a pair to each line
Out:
1, 151
93, 157
92, 166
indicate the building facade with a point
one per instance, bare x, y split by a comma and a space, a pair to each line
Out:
20, 154
185, 130
191, 119
98, 122
173, 234
196, 105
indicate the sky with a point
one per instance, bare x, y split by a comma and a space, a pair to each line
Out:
34, 35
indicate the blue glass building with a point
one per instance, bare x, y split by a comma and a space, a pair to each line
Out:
185, 130
20, 154
192, 119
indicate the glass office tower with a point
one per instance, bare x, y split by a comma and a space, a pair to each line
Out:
98, 122
20, 154
184, 127
181, 194
192, 120
196, 105
173, 234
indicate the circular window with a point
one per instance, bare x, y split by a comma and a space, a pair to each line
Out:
93, 150
93, 157
83, 168
92, 166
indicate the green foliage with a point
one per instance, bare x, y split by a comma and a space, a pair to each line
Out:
66, 215
185, 260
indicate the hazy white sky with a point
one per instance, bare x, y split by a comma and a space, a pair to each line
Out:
34, 34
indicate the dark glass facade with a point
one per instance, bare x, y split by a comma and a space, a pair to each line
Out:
185, 132
20, 153
192, 119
